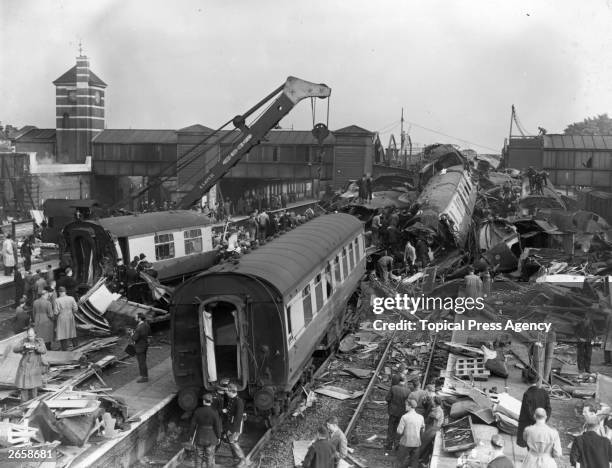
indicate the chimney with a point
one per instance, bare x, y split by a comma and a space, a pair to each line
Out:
82, 72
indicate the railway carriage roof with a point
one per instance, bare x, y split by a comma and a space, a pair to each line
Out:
287, 260
146, 223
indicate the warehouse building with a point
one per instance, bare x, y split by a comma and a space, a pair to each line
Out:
572, 161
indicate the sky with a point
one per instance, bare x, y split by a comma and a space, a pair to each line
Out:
455, 67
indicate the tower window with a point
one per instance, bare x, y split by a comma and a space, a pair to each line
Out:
65, 118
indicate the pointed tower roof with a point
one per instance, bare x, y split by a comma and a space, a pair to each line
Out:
69, 78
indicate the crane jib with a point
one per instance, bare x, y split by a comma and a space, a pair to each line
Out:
238, 148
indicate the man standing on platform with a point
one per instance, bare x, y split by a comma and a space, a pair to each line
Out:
65, 329
9, 253
543, 443
43, 318
26, 253
585, 332
234, 414
535, 397
207, 424
140, 336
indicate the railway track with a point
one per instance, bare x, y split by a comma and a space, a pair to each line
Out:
365, 419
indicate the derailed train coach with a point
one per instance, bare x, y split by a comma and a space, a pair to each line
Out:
177, 243
446, 204
258, 320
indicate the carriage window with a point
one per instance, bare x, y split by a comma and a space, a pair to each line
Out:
337, 270
351, 256
344, 263
318, 292
164, 246
289, 329
295, 320
193, 241
329, 287
357, 252
307, 304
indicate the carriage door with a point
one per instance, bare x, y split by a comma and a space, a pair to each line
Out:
222, 330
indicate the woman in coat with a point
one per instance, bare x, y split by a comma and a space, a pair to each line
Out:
31, 367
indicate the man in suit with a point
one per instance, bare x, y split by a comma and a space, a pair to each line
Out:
140, 336
234, 414
396, 407
535, 397
590, 449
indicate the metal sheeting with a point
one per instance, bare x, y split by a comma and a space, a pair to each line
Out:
125, 136
565, 142
145, 223
295, 256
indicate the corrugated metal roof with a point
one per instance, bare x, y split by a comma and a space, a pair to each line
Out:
36, 134
296, 255
126, 137
279, 137
597, 142
69, 78
144, 223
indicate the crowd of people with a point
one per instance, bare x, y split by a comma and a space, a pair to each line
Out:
537, 181
45, 310
416, 415
257, 228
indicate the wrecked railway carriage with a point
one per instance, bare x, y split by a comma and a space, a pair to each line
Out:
258, 320
446, 205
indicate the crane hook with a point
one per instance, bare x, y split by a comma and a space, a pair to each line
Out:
320, 132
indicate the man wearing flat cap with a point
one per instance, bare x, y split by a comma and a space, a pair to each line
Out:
410, 428
498, 459
207, 424
65, 308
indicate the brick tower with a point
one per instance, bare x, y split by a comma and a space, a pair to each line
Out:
79, 102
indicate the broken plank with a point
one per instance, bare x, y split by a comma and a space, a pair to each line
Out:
338, 393
75, 403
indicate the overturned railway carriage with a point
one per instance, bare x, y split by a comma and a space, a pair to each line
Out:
259, 320
447, 203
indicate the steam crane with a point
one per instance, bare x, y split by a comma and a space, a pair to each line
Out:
291, 92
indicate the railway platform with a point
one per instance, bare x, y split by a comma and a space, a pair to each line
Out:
151, 404
513, 385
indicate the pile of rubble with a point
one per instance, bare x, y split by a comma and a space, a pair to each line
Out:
61, 417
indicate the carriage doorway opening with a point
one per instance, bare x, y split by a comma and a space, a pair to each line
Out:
221, 332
